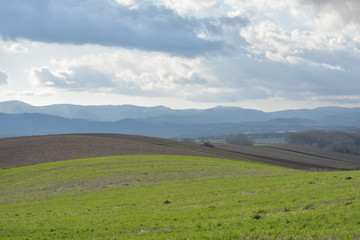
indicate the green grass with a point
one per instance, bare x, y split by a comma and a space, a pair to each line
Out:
176, 197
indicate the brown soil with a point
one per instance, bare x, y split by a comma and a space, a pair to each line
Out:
21, 151
295, 156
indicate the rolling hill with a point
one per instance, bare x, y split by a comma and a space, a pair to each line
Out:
116, 186
22, 151
173, 197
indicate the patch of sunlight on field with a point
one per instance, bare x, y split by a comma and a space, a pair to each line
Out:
176, 197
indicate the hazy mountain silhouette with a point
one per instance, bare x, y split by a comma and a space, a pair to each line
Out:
20, 119
16, 107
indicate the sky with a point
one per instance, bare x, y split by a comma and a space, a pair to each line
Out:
261, 54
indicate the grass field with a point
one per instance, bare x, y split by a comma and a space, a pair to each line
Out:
176, 197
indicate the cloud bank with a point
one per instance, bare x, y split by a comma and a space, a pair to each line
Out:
127, 73
217, 80
104, 22
201, 51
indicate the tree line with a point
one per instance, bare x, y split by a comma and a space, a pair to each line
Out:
239, 139
333, 140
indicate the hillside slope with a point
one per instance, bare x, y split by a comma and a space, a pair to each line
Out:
176, 197
22, 151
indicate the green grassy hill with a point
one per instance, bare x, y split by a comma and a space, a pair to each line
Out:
176, 197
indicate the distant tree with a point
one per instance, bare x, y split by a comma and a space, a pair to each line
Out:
337, 141
239, 139
315, 138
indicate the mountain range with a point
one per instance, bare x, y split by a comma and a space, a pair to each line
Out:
22, 119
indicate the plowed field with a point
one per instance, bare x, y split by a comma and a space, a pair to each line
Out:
23, 151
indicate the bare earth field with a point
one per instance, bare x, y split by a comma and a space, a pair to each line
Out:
21, 151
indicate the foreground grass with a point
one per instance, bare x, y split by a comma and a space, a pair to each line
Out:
176, 197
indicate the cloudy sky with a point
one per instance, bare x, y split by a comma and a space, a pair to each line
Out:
263, 54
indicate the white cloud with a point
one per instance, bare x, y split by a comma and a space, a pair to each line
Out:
3, 77
333, 17
266, 36
277, 57
192, 7
267, 8
126, 73
331, 67
131, 4
269, 40
281, 29
76, 78
16, 48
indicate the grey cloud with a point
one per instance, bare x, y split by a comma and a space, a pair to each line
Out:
103, 22
79, 78
263, 79
348, 10
3, 77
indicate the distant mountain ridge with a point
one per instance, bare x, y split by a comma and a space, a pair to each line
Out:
17, 107
27, 124
112, 113
22, 119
